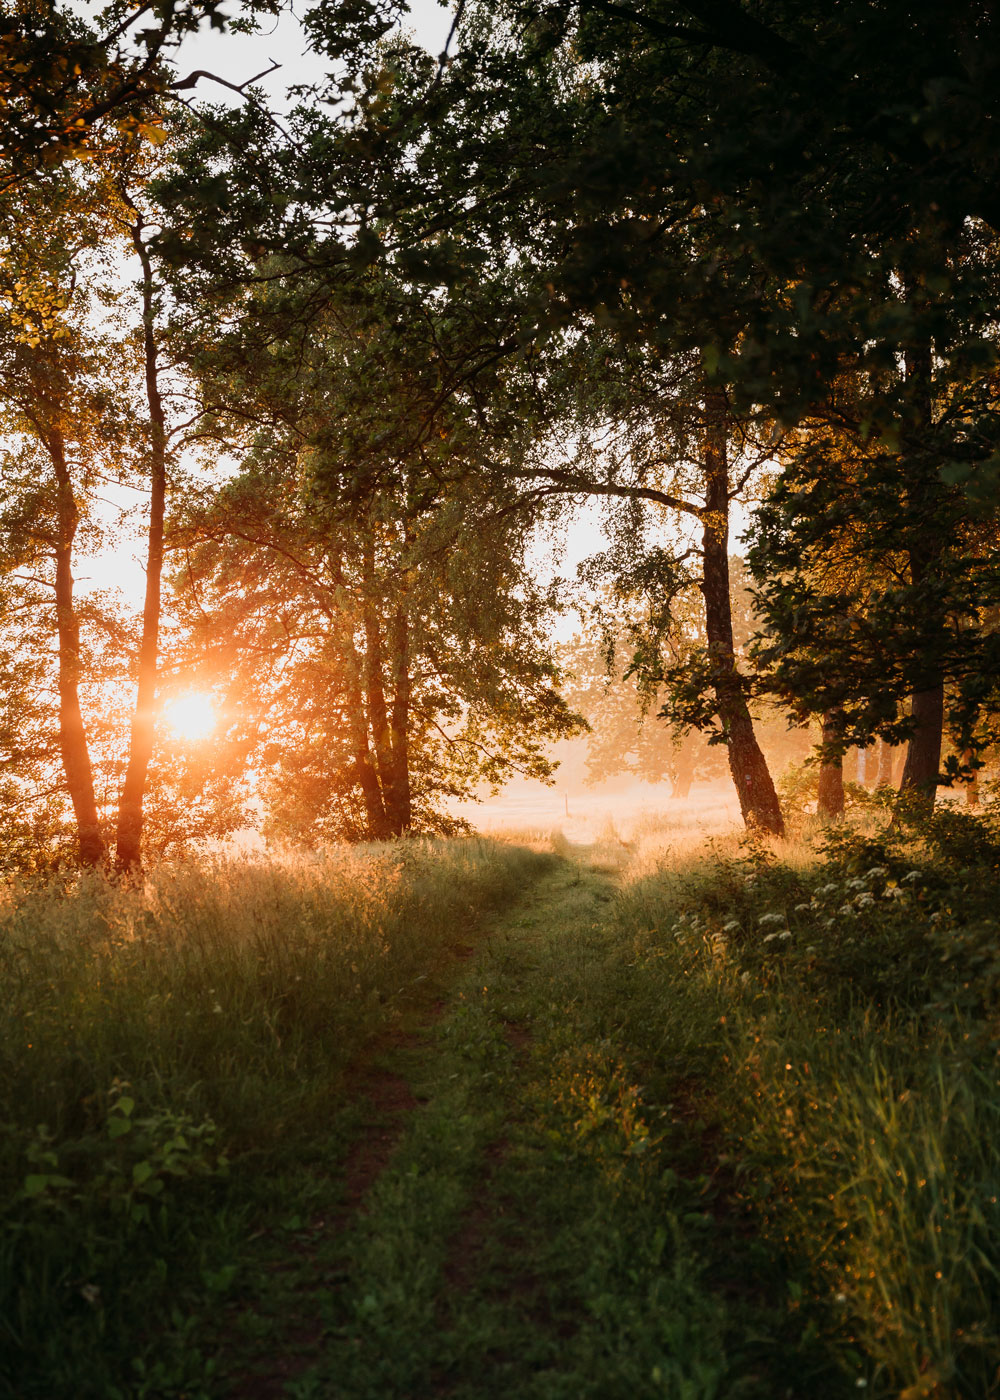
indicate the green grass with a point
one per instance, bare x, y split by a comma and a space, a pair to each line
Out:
165, 1054
692, 1123
846, 1022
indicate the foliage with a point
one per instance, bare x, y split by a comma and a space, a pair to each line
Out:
174, 1042
852, 1080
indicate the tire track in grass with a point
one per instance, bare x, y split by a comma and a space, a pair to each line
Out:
545, 1226
382, 1097
446, 1289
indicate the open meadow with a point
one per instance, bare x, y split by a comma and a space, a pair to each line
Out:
666, 1113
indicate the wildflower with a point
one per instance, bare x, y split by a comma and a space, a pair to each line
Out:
766, 919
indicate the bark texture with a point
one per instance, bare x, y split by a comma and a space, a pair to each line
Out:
128, 846
72, 734
921, 770
757, 797
923, 753
830, 798
886, 755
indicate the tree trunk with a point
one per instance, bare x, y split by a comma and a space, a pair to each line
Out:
379, 828
128, 848
355, 678
972, 786
757, 797
378, 713
885, 762
72, 734
389, 726
680, 786
399, 721
830, 799
923, 753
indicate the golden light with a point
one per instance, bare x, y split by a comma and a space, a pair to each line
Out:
192, 716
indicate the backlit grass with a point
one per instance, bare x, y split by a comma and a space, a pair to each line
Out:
163, 1048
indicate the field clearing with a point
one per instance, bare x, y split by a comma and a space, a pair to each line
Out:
637, 1110
591, 815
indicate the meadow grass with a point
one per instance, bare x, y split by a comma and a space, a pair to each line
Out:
165, 1049
838, 1011
700, 1120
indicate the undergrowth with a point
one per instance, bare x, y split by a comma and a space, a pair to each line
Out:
165, 1049
840, 1009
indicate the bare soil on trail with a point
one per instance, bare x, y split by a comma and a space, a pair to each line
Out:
387, 1100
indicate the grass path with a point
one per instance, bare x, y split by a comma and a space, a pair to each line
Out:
542, 1213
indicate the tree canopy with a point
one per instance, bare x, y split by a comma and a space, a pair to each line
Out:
689, 258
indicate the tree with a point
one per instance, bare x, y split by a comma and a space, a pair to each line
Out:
626, 733
877, 576
377, 663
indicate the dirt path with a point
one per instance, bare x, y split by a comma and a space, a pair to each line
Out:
502, 1226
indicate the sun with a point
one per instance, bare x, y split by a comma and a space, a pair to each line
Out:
191, 716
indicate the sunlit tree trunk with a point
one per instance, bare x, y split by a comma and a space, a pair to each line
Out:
830, 798
972, 786
757, 797
400, 719
72, 734
389, 723
923, 753
680, 783
886, 754
128, 849
365, 772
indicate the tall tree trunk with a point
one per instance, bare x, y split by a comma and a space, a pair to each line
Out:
972, 786
399, 721
378, 712
680, 783
830, 798
757, 797
923, 753
128, 848
72, 734
356, 678
389, 730
885, 760
379, 828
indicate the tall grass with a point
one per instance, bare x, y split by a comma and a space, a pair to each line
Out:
157, 1043
842, 1008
